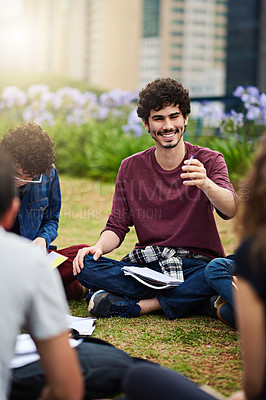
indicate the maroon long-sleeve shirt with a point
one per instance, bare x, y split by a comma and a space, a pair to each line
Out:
163, 210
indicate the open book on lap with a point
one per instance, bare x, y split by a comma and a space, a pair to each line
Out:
153, 279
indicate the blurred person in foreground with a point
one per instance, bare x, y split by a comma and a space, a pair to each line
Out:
149, 383
32, 150
32, 298
169, 193
251, 281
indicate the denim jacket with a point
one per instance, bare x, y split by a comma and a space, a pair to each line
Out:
40, 208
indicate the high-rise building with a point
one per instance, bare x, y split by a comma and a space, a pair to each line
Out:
246, 54
113, 43
186, 40
133, 42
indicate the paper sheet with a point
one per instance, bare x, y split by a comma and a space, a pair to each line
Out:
151, 278
85, 326
55, 259
25, 349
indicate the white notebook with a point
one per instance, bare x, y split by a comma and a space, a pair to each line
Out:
153, 279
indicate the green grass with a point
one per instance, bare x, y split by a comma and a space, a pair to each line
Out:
202, 348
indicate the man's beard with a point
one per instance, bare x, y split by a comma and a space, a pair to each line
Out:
170, 145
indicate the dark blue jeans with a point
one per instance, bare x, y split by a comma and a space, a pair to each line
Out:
147, 382
103, 368
219, 274
106, 274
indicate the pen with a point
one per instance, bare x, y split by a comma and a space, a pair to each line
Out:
191, 157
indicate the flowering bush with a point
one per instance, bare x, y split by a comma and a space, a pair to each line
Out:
249, 123
68, 105
74, 107
94, 133
237, 130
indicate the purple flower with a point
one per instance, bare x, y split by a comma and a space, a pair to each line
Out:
135, 129
262, 101
95, 111
239, 91
253, 113
90, 97
102, 113
37, 91
253, 91
38, 116
47, 99
12, 96
117, 98
68, 97
237, 118
75, 117
250, 96
134, 124
211, 113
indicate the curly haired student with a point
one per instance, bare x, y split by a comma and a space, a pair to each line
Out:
169, 193
32, 150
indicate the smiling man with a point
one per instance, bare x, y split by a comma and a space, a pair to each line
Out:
168, 192
167, 126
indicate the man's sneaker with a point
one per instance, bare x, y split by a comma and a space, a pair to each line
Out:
105, 304
89, 296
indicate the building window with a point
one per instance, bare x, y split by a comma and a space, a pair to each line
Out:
151, 14
178, 21
179, 45
176, 68
176, 56
178, 10
175, 33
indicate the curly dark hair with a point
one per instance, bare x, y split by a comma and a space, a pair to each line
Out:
30, 147
160, 93
7, 183
252, 216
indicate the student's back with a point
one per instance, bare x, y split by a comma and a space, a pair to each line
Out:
26, 285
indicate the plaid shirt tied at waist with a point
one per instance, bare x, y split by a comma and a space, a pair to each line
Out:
169, 258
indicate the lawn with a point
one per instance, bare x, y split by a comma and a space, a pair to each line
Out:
202, 348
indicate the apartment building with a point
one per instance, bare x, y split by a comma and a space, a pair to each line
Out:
185, 39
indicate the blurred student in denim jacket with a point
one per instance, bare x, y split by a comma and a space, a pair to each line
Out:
32, 151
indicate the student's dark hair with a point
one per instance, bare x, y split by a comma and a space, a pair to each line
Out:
160, 93
7, 183
252, 216
30, 147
